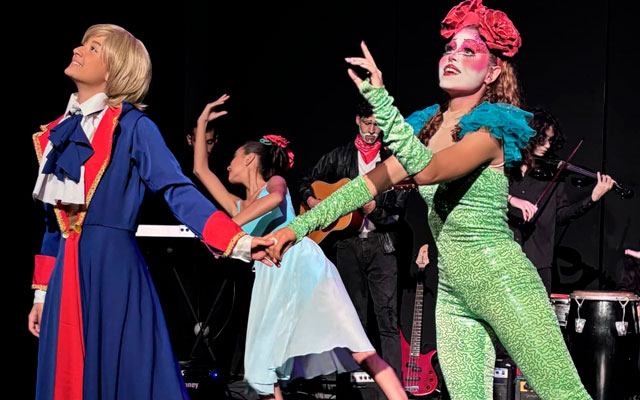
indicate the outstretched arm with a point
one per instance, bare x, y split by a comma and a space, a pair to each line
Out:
201, 170
473, 150
410, 157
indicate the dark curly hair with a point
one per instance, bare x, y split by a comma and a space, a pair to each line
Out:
273, 160
541, 121
364, 109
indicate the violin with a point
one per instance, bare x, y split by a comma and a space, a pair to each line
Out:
546, 168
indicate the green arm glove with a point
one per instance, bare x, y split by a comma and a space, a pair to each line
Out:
397, 134
348, 198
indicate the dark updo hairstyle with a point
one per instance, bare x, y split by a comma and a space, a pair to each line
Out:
272, 159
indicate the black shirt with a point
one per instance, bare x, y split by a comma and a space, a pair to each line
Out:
537, 236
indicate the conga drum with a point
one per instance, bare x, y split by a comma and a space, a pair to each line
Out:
603, 337
561, 305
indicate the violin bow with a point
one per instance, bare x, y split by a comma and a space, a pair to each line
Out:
555, 177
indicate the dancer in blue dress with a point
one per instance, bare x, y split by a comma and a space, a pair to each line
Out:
301, 321
101, 329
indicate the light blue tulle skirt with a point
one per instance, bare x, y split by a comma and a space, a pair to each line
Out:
301, 321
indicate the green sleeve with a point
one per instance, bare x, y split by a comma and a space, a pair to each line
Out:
397, 134
348, 198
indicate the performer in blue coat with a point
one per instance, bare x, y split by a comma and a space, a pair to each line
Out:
102, 332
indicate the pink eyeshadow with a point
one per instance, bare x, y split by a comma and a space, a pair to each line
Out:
474, 45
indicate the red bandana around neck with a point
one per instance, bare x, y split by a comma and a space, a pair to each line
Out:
368, 151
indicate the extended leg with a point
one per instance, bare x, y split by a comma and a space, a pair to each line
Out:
382, 373
519, 311
465, 349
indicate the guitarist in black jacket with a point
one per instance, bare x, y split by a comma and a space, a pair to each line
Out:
365, 257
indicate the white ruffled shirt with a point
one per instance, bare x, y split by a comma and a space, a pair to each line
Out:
48, 188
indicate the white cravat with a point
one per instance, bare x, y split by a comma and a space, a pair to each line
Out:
48, 188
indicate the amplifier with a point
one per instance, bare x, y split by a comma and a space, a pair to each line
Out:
522, 390
361, 377
503, 378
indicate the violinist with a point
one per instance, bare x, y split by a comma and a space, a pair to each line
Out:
534, 225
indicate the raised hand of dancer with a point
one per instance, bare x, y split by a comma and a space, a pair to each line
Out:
34, 319
367, 63
528, 209
209, 114
283, 239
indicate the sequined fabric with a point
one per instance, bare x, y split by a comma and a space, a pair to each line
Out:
348, 198
397, 134
487, 287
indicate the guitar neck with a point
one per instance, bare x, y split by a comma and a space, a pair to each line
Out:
416, 330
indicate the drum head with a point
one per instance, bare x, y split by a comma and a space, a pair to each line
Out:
604, 295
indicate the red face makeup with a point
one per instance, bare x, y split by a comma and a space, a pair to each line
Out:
465, 62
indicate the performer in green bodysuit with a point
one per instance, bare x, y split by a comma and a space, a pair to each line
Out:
487, 286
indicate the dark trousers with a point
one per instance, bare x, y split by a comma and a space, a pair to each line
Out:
367, 271
546, 275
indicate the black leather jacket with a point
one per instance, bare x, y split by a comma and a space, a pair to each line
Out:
342, 162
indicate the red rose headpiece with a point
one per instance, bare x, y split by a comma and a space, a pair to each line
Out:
494, 26
277, 140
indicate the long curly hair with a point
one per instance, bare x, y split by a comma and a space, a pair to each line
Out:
541, 121
505, 89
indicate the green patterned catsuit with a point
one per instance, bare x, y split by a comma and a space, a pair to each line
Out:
486, 286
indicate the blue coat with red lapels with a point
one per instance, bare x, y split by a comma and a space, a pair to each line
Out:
103, 335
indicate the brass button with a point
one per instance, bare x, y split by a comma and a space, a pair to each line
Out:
65, 234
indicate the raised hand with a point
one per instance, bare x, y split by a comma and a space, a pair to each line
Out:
284, 238
367, 63
209, 114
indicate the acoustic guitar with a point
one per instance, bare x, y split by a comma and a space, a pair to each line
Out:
419, 377
322, 190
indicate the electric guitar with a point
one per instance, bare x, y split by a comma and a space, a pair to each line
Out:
419, 377
322, 190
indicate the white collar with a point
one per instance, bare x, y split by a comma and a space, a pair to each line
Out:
94, 104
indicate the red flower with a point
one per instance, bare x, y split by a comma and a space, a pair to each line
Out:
500, 33
467, 13
277, 140
290, 155
494, 26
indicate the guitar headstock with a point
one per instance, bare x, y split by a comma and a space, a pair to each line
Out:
423, 256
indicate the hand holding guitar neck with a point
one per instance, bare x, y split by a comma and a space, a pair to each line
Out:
423, 256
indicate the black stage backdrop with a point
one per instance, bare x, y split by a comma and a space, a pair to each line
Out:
284, 69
